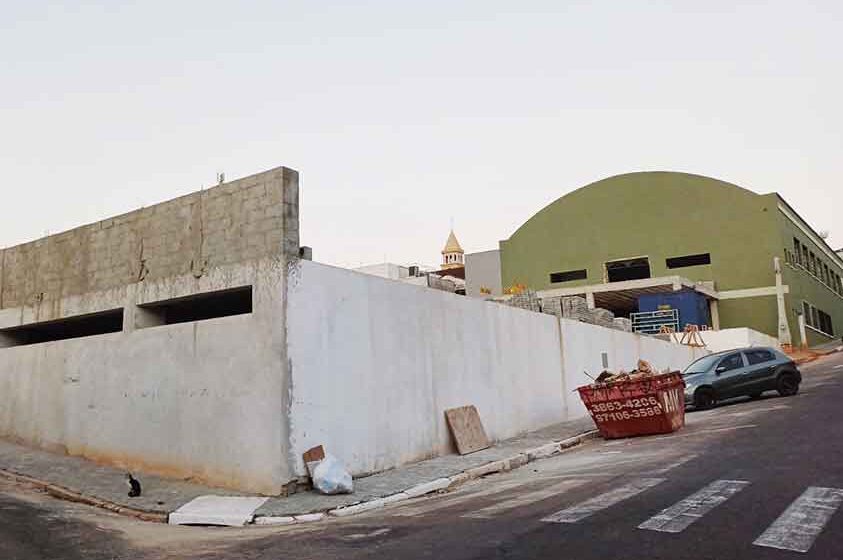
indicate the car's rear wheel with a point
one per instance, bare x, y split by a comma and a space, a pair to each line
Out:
788, 385
703, 399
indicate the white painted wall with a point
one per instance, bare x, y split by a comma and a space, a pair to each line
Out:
729, 339
203, 400
583, 346
374, 365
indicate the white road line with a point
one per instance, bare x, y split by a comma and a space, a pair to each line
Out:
361, 536
838, 367
679, 516
706, 432
801, 523
433, 504
676, 464
757, 410
524, 499
603, 501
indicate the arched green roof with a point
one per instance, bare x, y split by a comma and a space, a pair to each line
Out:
642, 184
657, 214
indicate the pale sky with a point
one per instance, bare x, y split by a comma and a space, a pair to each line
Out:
403, 116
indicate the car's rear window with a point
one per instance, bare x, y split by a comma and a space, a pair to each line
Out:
759, 356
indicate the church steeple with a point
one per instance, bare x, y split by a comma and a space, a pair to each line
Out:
452, 254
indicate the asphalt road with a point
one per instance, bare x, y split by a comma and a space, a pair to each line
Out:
749, 479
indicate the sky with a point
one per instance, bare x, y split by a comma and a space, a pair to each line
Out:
406, 117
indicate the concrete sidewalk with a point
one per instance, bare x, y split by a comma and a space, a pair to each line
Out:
81, 480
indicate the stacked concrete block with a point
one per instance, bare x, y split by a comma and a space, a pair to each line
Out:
603, 317
576, 308
622, 324
439, 283
528, 299
552, 306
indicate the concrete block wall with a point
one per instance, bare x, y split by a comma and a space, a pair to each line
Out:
242, 220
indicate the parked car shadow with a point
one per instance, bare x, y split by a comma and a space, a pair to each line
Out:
771, 395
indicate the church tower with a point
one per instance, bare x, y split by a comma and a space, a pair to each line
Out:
452, 254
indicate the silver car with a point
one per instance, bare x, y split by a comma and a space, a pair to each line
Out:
736, 373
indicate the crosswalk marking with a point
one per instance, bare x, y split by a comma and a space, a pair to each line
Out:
682, 514
603, 501
801, 523
437, 504
524, 499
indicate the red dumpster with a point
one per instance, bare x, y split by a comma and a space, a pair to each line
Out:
652, 404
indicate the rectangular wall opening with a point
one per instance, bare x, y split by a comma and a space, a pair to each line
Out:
198, 307
62, 329
556, 277
628, 269
688, 260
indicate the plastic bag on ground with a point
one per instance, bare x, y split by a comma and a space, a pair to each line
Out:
330, 477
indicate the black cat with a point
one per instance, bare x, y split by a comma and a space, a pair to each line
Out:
134, 486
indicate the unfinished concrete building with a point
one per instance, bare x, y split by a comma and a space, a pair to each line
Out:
87, 367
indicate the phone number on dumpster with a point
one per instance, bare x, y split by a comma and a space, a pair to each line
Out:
626, 410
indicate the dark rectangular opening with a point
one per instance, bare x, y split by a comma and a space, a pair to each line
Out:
199, 307
556, 277
630, 269
79, 326
825, 324
688, 260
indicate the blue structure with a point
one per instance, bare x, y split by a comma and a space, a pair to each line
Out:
692, 306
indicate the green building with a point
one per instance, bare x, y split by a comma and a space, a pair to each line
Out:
628, 236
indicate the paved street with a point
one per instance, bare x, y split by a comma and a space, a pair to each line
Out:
749, 479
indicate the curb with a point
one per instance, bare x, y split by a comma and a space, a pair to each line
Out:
73, 496
437, 485
443, 484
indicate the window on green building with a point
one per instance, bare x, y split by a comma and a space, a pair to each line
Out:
825, 323
688, 260
628, 269
797, 252
556, 277
806, 312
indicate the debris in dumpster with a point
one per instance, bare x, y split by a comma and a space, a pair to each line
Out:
642, 370
604, 376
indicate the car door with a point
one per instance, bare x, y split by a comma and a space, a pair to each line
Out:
760, 371
728, 375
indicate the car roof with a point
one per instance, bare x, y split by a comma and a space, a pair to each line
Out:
744, 349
